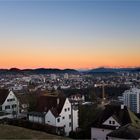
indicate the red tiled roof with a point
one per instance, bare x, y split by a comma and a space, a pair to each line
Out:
3, 95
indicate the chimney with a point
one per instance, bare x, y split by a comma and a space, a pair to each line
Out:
122, 106
58, 101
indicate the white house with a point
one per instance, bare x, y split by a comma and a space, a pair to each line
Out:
64, 119
57, 111
112, 118
8, 102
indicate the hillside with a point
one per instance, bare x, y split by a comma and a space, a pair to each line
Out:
112, 70
14, 132
38, 71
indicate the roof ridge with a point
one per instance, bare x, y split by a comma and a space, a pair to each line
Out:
116, 118
125, 132
135, 121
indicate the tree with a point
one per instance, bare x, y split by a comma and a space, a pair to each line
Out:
32, 102
87, 114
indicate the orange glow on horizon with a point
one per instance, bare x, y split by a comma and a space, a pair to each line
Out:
41, 54
61, 66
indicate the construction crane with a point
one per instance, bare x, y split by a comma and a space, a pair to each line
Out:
103, 90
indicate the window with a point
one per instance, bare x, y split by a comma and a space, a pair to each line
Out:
70, 116
13, 99
65, 109
10, 100
58, 120
14, 106
68, 109
63, 118
113, 122
7, 107
70, 124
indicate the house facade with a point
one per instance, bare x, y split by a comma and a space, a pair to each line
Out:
58, 112
64, 119
9, 102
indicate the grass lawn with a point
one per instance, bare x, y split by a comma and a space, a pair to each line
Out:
14, 132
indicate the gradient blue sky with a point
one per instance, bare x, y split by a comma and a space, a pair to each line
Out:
69, 33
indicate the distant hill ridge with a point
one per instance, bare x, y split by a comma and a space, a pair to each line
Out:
69, 71
112, 70
37, 71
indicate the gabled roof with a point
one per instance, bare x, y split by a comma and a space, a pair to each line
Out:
53, 102
115, 118
123, 116
23, 98
129, 131
3, 95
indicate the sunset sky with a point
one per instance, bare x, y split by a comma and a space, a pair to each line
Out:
69, 33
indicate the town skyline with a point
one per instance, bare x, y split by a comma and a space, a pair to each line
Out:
69, 34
